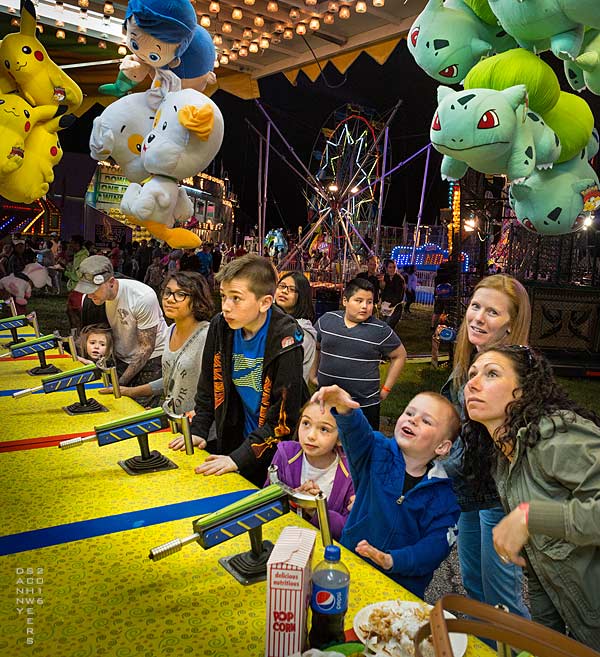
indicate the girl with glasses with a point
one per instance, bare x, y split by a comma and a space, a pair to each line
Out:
187, 302
294, 296
543, 451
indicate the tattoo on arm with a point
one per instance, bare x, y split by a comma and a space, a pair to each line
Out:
146, 341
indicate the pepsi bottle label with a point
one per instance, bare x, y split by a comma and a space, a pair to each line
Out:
329, 601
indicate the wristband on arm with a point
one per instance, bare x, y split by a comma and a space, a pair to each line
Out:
386, 389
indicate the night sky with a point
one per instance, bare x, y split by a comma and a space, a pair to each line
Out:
300, 111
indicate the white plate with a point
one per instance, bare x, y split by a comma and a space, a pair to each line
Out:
458, 641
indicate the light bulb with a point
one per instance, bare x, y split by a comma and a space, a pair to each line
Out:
236, 44
247, 33
278, 28
40, 28
81, 39
329, 18
301, 28
233, 56
294, 14
122, 50
205, 20
259, 21
58, 23
378, 3
310, 3
243, 51
237, 14
109, 9
253, 47
288, 33
361, 7
272, 6
314, 24
224, 59
227, 27
102, 44
333, 6
217, 39
250, 3
264, 43
214, 7
83, 3
344, 12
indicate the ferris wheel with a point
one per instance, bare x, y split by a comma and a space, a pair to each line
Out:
347, 161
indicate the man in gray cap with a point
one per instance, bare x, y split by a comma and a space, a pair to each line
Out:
135, 317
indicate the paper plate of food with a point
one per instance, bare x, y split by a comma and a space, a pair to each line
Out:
388, 629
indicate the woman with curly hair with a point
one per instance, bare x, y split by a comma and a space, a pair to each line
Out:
187, 301
498, 313
543, 451
294, 296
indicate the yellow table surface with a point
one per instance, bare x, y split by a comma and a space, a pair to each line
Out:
102, 595
13, 372
43, 415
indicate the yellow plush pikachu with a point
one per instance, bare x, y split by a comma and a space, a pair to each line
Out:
17, 119
43, 152
40, 80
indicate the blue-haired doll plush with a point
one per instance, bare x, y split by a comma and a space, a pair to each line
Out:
160, 34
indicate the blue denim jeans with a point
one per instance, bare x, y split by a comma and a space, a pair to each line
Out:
485, 577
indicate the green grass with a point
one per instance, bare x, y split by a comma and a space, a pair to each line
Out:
414, 331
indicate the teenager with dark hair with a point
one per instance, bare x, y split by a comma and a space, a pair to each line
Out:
351, 343
543, 451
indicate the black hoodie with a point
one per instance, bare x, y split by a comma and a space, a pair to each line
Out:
283, 394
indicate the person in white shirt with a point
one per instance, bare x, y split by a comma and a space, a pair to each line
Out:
134, 314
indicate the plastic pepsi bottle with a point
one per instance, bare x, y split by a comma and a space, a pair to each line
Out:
329, 600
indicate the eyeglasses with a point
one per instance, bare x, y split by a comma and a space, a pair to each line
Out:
287, 288
178, 295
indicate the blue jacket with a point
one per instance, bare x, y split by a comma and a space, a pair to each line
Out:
418, 529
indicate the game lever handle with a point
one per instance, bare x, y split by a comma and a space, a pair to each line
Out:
167, 549
75, 442
26, 391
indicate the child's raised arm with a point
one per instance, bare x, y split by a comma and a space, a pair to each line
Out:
334, 396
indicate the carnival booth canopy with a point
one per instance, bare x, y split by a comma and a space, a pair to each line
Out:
98, 35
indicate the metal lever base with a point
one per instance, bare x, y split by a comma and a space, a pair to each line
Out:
46, 369
248, 567
90, 406
138, 465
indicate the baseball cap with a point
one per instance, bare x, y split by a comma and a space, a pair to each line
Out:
92, 272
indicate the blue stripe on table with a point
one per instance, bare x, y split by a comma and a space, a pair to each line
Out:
88, 386
76, 531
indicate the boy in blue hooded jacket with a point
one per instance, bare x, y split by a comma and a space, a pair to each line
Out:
405, 512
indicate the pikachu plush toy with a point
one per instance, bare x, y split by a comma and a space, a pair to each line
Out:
36, 99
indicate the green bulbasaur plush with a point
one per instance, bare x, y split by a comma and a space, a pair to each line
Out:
556, 201
584, 71
447, 39
492, 132
539, 25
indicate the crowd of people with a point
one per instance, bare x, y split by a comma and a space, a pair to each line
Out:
500, 460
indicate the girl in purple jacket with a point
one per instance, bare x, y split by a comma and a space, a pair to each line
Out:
317, 463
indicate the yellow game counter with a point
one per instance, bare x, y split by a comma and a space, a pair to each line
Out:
75, 575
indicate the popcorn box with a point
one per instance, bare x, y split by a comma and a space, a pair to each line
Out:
289, 573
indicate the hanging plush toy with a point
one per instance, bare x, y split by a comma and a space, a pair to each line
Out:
548, 24
556, 201
43, 152
19, 286
490, 131
448, 39
187, 134
584, 71
566, 114
17, 118
163, 33
119, 132
39, 79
